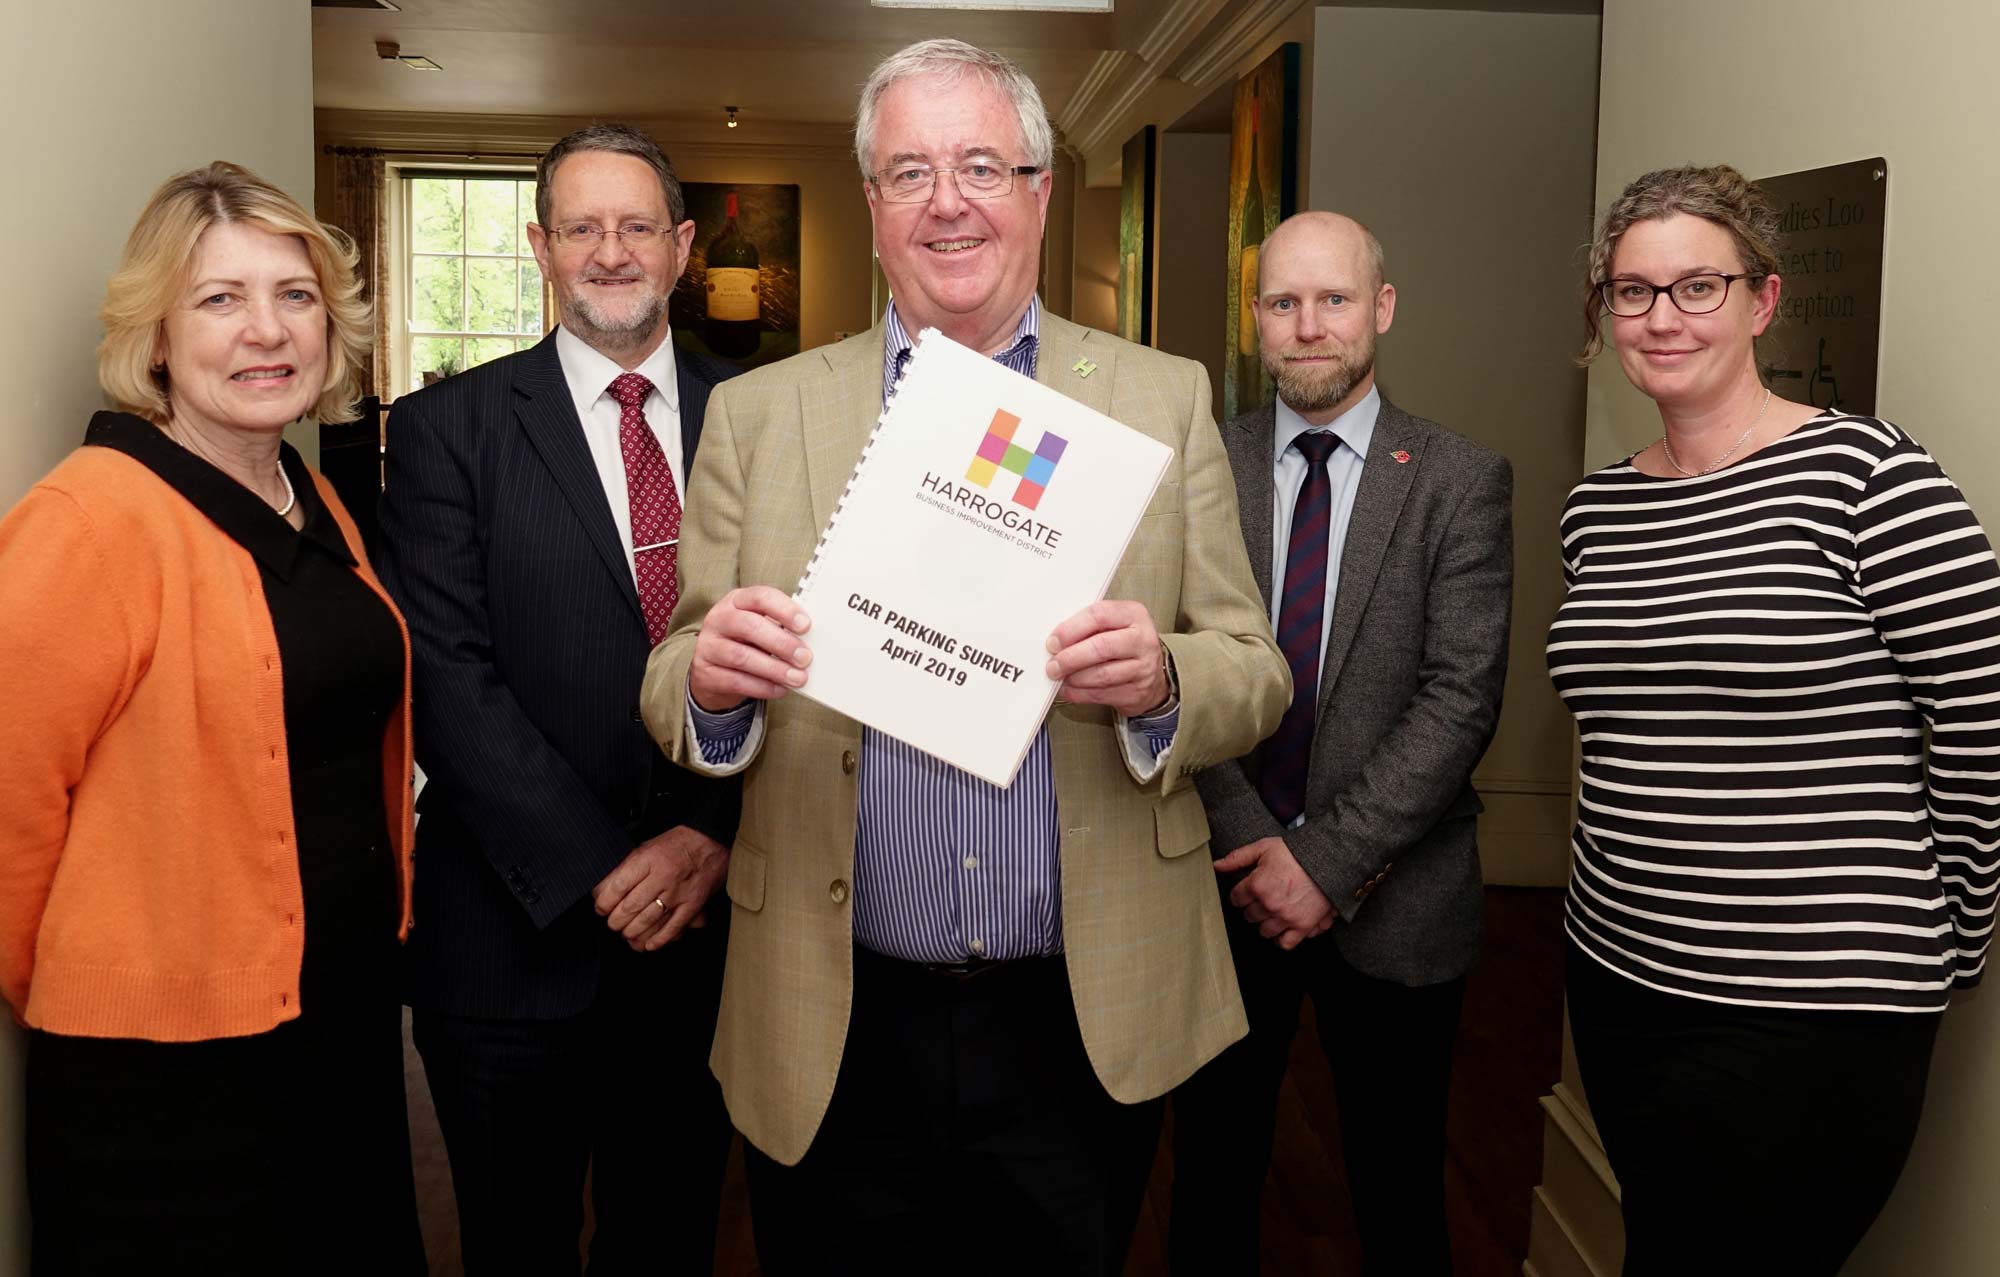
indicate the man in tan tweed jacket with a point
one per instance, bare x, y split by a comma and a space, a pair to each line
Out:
950, 1010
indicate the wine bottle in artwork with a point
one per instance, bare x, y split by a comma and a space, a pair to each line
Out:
735, 292
1248, 364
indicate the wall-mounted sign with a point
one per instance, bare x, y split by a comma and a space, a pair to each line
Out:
1822, 347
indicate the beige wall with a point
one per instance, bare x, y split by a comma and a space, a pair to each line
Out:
1094, 299
96, 124
1465, 141
1784, 85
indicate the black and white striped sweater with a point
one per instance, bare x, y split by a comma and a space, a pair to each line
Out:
1753, 658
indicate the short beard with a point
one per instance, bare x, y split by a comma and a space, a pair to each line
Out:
1318, 389
582, 318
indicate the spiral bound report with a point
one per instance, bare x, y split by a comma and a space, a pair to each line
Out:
984, 509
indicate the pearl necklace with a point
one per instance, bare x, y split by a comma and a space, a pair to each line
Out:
291, 494
1716, 464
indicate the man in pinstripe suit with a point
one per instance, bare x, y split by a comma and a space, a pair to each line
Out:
564, 985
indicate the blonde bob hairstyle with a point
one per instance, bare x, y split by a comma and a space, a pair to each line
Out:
159, 254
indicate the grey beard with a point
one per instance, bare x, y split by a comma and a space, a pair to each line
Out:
583, 319
1308, 391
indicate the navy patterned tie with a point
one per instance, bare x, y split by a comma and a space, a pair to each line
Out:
1282, 783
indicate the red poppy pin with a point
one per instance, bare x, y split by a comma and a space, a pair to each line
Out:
1402, 457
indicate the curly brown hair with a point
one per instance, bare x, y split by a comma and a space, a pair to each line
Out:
1715, 193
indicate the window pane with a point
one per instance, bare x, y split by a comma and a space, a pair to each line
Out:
438, 305
434, 354
481, 349
436, 221
489, 295
531, 298
491, 226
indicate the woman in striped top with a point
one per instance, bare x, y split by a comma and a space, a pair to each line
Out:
1774, 890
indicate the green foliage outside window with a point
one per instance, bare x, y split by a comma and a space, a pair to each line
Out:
474, 292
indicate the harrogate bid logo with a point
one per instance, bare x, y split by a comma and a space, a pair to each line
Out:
998, 451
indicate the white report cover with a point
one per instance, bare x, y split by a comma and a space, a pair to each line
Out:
985, 510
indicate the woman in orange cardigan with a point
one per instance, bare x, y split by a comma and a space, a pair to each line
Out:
205, 779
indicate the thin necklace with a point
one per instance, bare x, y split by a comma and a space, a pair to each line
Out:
291, 497
1716, 464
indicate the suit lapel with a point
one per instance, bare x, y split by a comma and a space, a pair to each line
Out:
1378, 504
837, 413
693, 403
547, 416
1252, 455
1062, 346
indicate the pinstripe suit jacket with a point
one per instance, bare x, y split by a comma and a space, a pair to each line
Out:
1409, 693
1148, 962
527, 646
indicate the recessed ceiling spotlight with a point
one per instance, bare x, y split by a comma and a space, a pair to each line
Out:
390, 51
732, 115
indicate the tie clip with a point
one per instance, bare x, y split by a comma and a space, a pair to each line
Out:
657, 545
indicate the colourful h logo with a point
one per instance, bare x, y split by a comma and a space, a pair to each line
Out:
998, 452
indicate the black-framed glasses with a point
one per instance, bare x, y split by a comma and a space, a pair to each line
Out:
589, 234
1694, 294
977, 180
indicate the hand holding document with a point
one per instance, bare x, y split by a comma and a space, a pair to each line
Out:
986, 510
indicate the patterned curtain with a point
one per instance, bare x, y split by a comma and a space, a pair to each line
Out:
357, 209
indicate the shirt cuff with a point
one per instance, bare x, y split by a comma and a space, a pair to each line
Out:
1148, 741
725, 738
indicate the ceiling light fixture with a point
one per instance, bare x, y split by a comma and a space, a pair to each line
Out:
390, 51
732, 115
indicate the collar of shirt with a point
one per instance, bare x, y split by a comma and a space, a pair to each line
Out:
589, 373
1355, 427
1019, 354
240, 513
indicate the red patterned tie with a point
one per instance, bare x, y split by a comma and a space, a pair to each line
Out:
656, 506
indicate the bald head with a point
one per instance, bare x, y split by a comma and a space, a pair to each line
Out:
1332, 238
1321, 303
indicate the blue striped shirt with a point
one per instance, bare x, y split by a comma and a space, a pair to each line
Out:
946, 866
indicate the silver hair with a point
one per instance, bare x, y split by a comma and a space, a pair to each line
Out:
947, 60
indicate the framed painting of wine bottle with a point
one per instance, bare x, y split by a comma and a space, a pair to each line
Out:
1263, 191
739, 297
1135, 237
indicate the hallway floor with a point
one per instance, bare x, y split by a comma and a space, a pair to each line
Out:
1509, 1051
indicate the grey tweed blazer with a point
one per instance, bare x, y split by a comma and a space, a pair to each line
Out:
1408, 697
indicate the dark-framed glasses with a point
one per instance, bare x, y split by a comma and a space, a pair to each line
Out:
1694, 294
977, 180
590, 234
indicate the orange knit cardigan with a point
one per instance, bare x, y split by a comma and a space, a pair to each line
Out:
149, 879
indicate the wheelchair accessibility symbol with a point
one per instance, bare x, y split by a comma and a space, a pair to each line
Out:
1820, 382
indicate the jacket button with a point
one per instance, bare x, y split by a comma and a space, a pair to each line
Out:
847, 761
837, 891
637, 715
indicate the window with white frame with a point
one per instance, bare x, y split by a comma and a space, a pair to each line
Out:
471, 289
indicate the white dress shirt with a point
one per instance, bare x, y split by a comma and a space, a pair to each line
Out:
1355, 428
589, 375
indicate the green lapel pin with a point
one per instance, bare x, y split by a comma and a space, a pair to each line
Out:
1083, 368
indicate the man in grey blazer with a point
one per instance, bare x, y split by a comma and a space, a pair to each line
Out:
1382, 544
